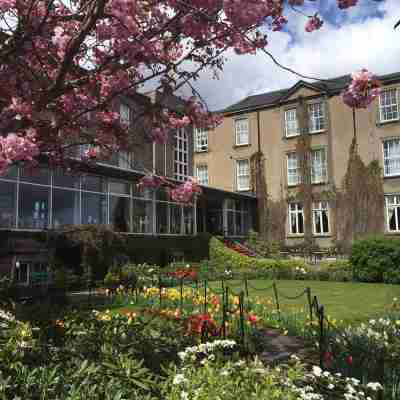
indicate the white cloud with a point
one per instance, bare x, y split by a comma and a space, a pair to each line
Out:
360, 41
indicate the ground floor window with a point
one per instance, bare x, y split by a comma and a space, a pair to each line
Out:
237, 216
51, 199
321, 218
393, 213
33, 206
296, 219
31, 272
7, 204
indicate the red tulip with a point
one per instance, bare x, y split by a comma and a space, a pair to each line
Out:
349, 360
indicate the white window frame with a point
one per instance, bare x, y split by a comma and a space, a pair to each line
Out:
242, 132
200, 139
240, 175
291, 124
125, 114
125, 159
321, 165
317, 117
396, 206
394, 159
290, 169
202, 174
297, 211
383, 107
319, 208
181, 155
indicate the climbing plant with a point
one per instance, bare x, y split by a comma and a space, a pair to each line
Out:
360, 202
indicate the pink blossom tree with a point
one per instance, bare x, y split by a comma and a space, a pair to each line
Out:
63, 61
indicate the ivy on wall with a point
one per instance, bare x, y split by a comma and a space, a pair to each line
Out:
359, 205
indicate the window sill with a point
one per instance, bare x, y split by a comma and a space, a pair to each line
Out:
322, 235
319, 183
389, 122
394, 176
243, 190
201, 151
295, 236
291, 136
317, 132
235, 146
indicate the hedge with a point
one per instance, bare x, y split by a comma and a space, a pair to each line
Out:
376, 259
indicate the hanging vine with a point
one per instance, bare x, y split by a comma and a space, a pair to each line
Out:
360, 203
271, 213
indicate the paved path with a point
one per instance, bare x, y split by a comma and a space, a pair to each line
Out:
278, 347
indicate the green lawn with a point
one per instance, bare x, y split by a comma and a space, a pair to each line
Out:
343, 301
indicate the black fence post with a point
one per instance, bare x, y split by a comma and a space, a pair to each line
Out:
241, 310
276, 298
224, 309
160, 289
321, 336
181, 289
308, 289
205, 296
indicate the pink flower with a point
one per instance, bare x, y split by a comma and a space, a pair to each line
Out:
314, 23
185, 192
6, 5
362, 91
150, 182
346, 3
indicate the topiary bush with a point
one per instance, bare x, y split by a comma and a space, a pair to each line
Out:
376, 259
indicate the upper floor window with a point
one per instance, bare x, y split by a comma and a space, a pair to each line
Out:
318, 166
320, 218
243, 174
388, 106
293, 177
242, 131
125, 114
391, 157
316, 115
200, 139
125, 159
393, 213
291, 124
296, 219
202, 174
181, 155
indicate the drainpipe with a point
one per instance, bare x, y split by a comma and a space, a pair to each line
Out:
258, 132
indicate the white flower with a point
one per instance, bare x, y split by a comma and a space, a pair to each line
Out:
374, 386
331, 386
179, 379
372, 321
317, 371
224, 372
184, 396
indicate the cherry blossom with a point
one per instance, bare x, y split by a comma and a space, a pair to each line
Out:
63, 67
362, 91
347, 3
185, 192
314, 23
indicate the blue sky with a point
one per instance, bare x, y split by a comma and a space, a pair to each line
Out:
361, 36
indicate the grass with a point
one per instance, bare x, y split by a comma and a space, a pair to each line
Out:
347, 301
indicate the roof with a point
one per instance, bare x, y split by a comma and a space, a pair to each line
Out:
330, 86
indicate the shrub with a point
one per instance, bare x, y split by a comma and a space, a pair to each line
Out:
376, 259
206, 374
338, 270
